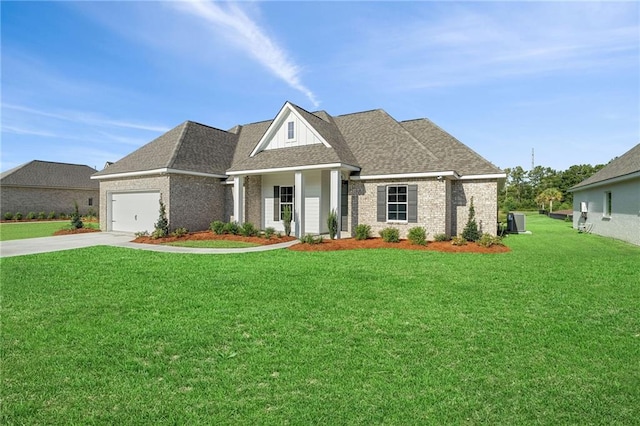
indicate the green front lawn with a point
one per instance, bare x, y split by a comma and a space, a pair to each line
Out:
546, 334
22, 230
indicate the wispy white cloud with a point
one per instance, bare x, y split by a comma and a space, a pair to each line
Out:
85, 118
232, 21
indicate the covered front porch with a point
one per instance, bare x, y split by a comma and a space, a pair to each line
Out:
261, 197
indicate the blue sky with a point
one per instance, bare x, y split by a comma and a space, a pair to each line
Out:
89, 82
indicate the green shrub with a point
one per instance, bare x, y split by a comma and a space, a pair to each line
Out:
62, 216
248, 230
487, 240
91, 213
286, 218
332, 223
76, 220
231, 228
18, 216
459, 241
31, 215
310, 239
42, 215
141, 234
417, 236
162, 225
441, 237
179, 232
217, 227
362, 232
52, 215
471, 232
8, 216
269, 232
390, 235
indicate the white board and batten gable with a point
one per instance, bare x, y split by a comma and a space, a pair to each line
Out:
289, 129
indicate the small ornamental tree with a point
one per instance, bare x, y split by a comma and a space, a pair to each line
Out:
471, 232
332, 224
76, 220
162, 225
286, 218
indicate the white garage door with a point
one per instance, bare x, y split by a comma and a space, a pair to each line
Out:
134, 211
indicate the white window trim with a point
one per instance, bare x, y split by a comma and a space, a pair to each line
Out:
292, 124
606, 208
406, 203
292, 203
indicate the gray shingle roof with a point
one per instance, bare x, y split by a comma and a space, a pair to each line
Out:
48, 174
188, 147
627, 163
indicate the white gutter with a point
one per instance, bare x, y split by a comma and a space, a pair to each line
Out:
295, 169
488, 176
607, 181
159, 172
449, 173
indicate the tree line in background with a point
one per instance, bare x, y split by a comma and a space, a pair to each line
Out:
542, 187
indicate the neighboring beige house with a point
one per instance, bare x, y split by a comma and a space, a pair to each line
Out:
45, 186
608, 203
368, 167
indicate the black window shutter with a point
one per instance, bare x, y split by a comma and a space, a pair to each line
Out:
412, 213
382, 203
276, 203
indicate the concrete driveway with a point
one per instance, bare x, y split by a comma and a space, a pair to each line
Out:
62, 242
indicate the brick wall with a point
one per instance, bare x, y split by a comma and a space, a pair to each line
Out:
196, 201
442, 205
25, 200
253, 200
485, 202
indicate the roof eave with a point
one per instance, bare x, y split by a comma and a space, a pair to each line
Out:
161, 171
605, 182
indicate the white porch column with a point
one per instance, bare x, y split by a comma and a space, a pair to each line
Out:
238, 199
335, 197
299, 204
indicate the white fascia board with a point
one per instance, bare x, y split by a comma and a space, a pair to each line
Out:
295, 169
607, 182
449, 173
487, 176
276, 123
158, 172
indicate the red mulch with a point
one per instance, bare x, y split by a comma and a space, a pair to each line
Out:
329, 245
75, 231
352, 243
208, 235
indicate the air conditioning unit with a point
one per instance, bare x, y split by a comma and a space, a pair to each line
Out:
516, 223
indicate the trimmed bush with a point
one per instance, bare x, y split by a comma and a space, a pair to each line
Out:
471, 232
441, 237
332, 224
390, 235
286, 218
310, 239
162, 225
417, 236
8, 216
158, 233
231, 228
52, 215
458, 241
217, 227
42, 215
62, 216
248, 230
269, 232
487, 240
141, 234
76, 220
362, 232
18, 216
179, 232
31, 215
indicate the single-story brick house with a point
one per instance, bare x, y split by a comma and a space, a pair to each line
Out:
46, 186
368, 167
608, 203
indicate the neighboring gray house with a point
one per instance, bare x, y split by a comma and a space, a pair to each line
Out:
608, 203
368, 167
45, 186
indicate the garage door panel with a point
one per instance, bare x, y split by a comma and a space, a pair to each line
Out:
134, 211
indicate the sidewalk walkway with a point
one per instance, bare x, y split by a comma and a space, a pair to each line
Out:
69, 242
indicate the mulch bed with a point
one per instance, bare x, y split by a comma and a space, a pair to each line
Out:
75, 231
371, 243
330, 245
208, 235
